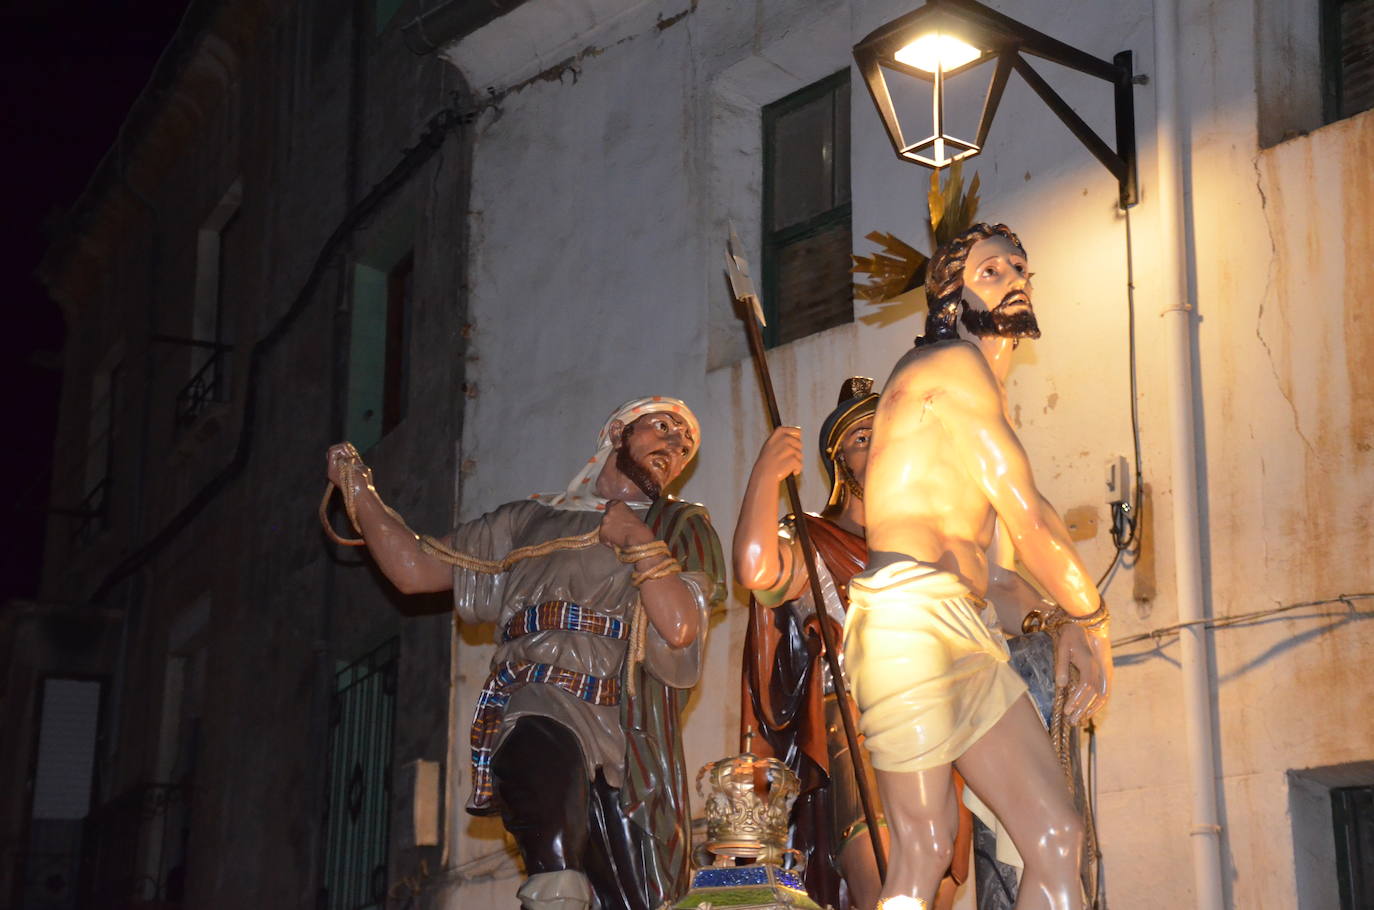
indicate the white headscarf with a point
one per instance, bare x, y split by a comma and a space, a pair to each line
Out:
581, 492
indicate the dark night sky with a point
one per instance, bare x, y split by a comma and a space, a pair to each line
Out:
70, 71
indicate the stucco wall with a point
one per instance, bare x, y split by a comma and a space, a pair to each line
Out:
600, 199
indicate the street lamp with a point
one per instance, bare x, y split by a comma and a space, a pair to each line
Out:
947, 37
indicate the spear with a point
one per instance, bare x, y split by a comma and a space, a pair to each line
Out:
751, 311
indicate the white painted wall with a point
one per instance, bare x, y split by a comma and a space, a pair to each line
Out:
598, 213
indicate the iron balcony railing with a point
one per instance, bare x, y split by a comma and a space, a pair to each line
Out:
208, 386
136, 851
92, 515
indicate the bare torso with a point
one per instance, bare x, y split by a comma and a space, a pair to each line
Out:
933, 507
945, 467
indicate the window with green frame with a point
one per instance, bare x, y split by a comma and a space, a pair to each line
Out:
807, 286
384, 11
378, 371
1347, 47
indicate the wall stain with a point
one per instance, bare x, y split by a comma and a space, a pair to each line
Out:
665, 24
1315, 499
1358, 197
573, 65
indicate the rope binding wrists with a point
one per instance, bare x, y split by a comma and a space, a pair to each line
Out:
669, 566
1053, 619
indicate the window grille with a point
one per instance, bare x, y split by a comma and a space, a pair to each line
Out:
362, 718
92, 514
806, 211
218, 252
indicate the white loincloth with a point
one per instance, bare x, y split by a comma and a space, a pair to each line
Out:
928, 675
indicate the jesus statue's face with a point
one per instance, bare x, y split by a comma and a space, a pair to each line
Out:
997, 291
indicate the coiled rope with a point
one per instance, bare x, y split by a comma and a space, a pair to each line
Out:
436, 547
1061, 736
444, 553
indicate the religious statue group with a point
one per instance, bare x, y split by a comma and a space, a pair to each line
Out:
600, 593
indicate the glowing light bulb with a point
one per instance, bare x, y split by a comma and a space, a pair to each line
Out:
936, 50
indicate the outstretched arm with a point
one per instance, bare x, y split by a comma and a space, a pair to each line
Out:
973, 417
765, 563
393, 545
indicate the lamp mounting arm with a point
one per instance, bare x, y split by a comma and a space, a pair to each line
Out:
991, 34
1121, 162
1031, 41
1055, 102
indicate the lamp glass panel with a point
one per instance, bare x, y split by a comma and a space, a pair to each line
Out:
934, 50
964, 96
913, 102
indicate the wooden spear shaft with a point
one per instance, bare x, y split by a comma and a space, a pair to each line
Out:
832, 659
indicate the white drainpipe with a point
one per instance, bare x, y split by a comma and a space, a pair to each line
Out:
1178, 315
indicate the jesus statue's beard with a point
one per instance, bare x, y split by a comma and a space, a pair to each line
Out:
642, 476
998, 323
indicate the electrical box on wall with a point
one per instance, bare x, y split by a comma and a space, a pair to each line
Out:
1118, 479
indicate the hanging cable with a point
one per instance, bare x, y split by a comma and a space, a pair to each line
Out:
1123, 543
1238, 619
1099, 897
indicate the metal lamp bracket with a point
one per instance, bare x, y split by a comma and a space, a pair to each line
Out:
1009, 41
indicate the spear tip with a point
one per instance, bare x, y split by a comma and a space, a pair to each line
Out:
741, 284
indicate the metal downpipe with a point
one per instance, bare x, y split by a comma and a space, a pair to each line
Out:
1178, 315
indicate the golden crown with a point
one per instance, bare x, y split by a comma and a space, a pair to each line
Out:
748, 807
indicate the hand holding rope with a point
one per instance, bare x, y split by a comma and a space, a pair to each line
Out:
1053, 621
352, 467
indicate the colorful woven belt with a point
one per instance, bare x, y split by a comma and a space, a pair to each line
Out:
562, 616
507, 676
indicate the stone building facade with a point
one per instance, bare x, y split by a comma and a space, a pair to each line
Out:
560, 237
291, 172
